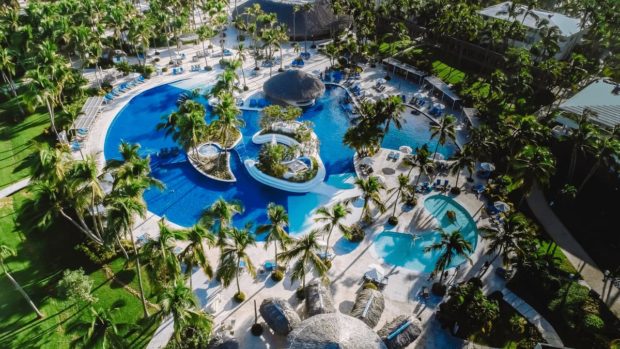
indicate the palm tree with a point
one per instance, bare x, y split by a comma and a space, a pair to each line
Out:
606, 150
228, 120
582, 138
334, 218
370, 189
365, 138
162, 262
7, 69
452, 244
533, 164
306, 8
6, 252
403, 184
423, 162
104, 331
241, 60
306, 251
43, 92
391, 111
443, 130
462, 160
205, 33
233, 253
220, 216
506, 240
179, 301
123, 204
276, 228
296, 8
191, 130
195, 253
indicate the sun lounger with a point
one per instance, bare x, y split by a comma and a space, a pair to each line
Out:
396, 156
252, 103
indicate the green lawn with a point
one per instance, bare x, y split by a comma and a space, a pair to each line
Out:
448, 74
41, 258
17, 143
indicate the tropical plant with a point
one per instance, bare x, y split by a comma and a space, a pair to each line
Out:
103, 330
220, 215
371, 194
226, 125
162, 262
582, 139
233, 254
443, 130
334, 218
76, 286
509, 237
451, 245
5, 253
606, 150
462, 160
532, 165
275, 229
305, 251
400, 188
195, 252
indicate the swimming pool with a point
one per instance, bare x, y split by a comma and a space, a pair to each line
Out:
403, 250
188, 192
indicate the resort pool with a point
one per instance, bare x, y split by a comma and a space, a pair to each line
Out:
407, 251
208, 150
188, 193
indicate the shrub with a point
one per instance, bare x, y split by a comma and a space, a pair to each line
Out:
145, 70
393, 220
239, 297
593, 322
257, 329
355, 233
455, 190
518, 324
277, 276
369, 285
76, 286
97, 254
470, 308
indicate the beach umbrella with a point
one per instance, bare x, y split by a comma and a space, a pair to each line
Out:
501, 206
487, 166
375, 273
405, 149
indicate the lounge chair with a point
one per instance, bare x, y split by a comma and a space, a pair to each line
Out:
391, 155
252, 103
396, 156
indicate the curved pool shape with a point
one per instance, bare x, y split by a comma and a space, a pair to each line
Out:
208, 150
403, 250
188, 192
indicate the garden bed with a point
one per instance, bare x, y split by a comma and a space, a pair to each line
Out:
217, 168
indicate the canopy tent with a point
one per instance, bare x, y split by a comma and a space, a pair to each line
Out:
188, 38
400, 332
317, 23
279, 315
472, 116
368, 307
438, 84
89, 113
318, 299
374, 273
404, 67
327, 331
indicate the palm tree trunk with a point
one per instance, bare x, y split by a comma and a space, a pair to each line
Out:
139, 271
125, 254
50, 110
24, 294
396, 202
237, 275
571, 166
89, 234
202, 42
458, 174
589, 175
275, 245
327, 242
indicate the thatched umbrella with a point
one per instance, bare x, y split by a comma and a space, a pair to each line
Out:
279, 315
368, 307
319, 22
327, 331
318, 299
294, 87
400, 332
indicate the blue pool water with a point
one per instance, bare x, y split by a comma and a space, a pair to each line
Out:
188, 193
402, 250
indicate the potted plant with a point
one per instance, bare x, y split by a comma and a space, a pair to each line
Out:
451, 216
393, 220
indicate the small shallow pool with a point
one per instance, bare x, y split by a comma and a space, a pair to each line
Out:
403, 250
188, 193
208, 150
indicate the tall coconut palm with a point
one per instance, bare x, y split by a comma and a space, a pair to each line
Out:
178, 301
371, 194
606, 150
241, 60
451, 245
508, 239
401, 186
5, 253
220, 216
163, 264
205, 33
305, 251
275, 229
462, 160
443, 130
532, 165
233, 253
228, 121
333, 218
391, 111
582, 139
191, 130
103, 330
296, 8
122, 207
87, 191
422, 160
43, 92
7, 70
306, 8
195, 253
364, 138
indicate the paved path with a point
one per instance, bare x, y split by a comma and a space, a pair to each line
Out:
17, 186
577, 256
543, 326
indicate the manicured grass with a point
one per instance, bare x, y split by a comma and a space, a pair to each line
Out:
448, 74
17, 142
502, 336
41, 258
560, 257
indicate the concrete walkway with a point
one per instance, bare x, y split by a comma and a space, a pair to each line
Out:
576, 255
15, 187
544, 327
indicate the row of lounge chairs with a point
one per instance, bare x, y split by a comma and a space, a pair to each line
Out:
122, 88
426, 187
394, 156
168, 152
298, 63
177, 71
78, 139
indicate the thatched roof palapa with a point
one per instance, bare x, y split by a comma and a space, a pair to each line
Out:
279, 315
368, 307
294, 86
318, 299
319, 22
328, 331
400, 332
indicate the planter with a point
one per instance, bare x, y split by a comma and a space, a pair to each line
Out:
246, 88
300, 293
257, 330
239, 297
455, 191
393, 220
277, 276
439, 289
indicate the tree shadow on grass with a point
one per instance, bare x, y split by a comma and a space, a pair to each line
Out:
123, 277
